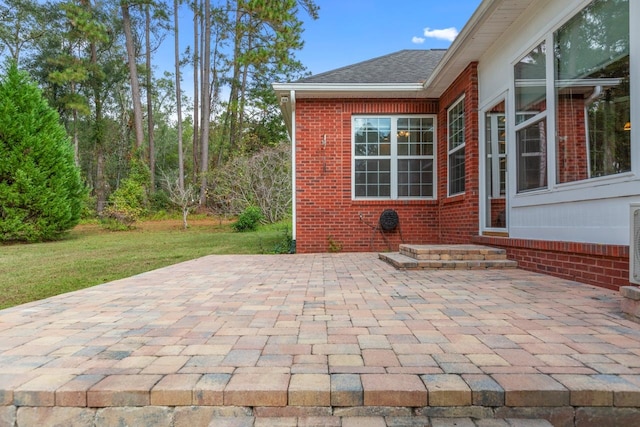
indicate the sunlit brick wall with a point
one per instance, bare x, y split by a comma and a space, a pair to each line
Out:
459, 218
327, 217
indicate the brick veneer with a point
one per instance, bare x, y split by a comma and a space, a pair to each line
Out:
572, 154
606, 266
459, 214
327, 217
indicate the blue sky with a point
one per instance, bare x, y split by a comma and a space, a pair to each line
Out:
351, 31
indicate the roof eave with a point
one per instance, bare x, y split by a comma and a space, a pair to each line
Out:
349, 90
478, 35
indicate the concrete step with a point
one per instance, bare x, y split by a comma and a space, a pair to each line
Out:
453, 252
463, 257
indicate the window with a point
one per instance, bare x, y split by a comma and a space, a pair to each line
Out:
456, 147
496, 150
393, 157
593, 104
531, 106
590, 120
532, 156
495, 128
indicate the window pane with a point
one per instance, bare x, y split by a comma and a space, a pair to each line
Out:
592, 92
372, 136
530, 87
456, 148
531, 152
456, 125
415, 136
372, 178
456, 172
415, 178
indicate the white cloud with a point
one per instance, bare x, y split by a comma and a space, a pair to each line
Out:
417, 40
448, 34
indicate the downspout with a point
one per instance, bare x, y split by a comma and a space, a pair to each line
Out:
597, 92
292, 100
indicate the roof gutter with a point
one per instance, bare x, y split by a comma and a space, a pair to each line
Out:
348, 87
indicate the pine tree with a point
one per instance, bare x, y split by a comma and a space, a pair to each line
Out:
41, 192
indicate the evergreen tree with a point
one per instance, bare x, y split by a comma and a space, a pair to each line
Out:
41, 192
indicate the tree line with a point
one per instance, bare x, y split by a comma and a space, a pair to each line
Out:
136, 137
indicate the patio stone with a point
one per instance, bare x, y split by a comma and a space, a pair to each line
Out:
322, 338
174, 390
393, 390
532, 390
346, 390
122, 390
257, 390
40, 391
310, 390
447, 390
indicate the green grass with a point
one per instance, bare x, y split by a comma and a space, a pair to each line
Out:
91, 255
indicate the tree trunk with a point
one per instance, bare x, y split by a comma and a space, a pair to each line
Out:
178, 95
150, 123
241, 99
196, 88
101, 182
206, 102
101, 188
76, 142
133, 75
232, 113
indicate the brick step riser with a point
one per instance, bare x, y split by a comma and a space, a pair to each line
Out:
456, 257
453, 252
407, 263
561, 416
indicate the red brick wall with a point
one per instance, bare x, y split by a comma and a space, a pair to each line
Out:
459, 215
327, 217
572, 139
606, 266
498, 215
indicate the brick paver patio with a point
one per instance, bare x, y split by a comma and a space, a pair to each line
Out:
325, 339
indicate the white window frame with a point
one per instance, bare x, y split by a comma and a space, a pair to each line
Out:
496, 179
610, 186
459, 147
484, 191
394, 157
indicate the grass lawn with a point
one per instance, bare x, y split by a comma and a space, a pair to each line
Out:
91, 255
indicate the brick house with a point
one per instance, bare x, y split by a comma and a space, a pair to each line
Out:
518, 136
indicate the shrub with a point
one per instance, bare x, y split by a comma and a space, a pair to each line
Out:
285, 245
263, 180
41, 193
129, 202
126, 203
248, 219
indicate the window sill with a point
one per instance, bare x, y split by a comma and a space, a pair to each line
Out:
396, 202
454, 199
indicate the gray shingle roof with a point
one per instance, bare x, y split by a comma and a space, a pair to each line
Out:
405, 66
